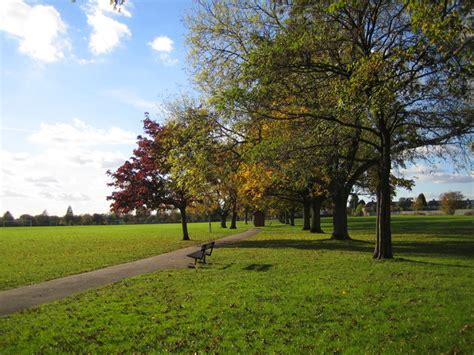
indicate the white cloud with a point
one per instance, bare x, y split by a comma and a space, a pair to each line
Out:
64, 197
104, 6
164, 46
39, 29
66, 166
47, 195
106, 32
7, 172
77, 196
444, 178
78, 133
42, 179
10, 193
433, 174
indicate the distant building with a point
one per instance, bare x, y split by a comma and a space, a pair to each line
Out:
370, 207
469, 204
433, 205
258, 219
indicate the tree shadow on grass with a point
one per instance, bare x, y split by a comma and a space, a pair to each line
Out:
459, 248
436, 227
319, 244
463, 248
431, 263
226, 266
280, 226
440, 227
258, 267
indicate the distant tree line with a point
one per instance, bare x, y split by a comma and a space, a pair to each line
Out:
448, 203
97, 219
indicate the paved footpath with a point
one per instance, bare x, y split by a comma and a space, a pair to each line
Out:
28, 296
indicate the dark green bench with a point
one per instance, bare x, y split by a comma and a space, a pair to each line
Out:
206, 250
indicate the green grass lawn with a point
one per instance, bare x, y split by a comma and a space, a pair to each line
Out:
282, 291
33, 254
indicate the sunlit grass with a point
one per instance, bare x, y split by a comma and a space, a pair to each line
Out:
283, 291
33, 254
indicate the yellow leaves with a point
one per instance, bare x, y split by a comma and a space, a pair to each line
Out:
288, 104
254, 180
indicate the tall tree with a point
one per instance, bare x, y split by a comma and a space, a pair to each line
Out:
8, 217
450, 201
248, 39
296, 175
146, 180
69, 216
208, 161
420, 203
393, 76
353, 201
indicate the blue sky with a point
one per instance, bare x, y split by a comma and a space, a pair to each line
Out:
76, 79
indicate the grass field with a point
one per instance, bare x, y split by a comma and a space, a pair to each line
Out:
283, 291
33, 254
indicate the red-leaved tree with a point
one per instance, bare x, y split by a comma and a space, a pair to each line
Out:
144, 181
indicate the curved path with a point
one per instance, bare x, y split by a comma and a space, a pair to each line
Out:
28, 296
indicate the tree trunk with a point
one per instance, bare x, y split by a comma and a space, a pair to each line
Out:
224, 220
233, 223
339, 216
246, 218
292, 217
184, 223
316, 215
287, 217
306, 214
383, 245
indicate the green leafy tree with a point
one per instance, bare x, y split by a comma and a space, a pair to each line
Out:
354, 201
405, 203
8, 217
420, 203
86, 219
248, 40
208, 163
359, 210
290, 176
69, 216
43, 219
393, 76
98, 219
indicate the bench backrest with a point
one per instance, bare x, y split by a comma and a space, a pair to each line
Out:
207, 248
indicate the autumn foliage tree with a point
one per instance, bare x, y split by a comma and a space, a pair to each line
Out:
451, 201
145, 181
389, 76
206, 160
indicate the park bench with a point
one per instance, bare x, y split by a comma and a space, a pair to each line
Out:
206, 250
